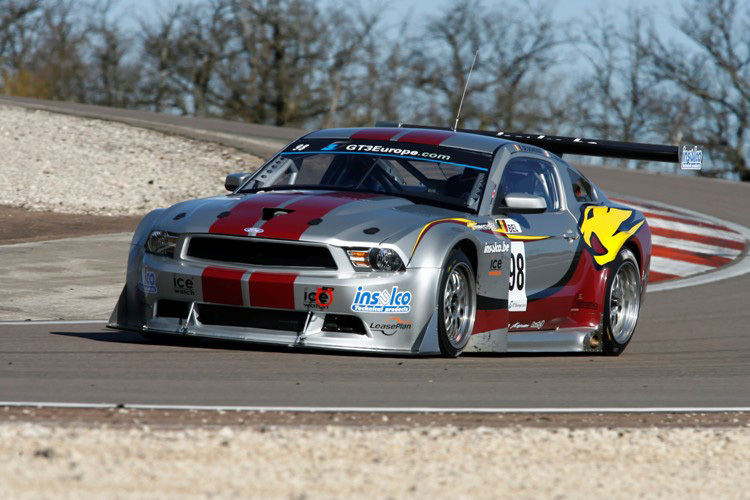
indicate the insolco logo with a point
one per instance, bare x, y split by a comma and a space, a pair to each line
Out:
383, 301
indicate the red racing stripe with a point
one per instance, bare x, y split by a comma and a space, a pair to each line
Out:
222, 286
247, 213
431, 137
688, 256
377, 134
656, 277
291, 226
272, 290
684, 220
698, 238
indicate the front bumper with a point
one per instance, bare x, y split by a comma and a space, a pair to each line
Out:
281, 306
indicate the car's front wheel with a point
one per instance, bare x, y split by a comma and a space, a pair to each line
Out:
457, 304
622, 303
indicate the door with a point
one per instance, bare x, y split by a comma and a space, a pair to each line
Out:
543, 244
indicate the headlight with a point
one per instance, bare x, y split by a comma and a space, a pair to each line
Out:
377, 259
162, 243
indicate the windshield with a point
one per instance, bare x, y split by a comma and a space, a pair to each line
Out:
426, 174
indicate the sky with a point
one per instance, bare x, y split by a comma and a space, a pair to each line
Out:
565, 9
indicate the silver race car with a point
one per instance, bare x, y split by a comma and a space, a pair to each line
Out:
400, 239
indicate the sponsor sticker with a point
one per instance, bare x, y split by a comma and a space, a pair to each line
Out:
318, 298
483, 227
691, 159
497, 247
496, 267
149, 281
301, 147
382, 301
183, 285
253, 230
535, 325
391, 325
509, 226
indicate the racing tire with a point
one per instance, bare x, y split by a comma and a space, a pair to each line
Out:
457, 304
622, 302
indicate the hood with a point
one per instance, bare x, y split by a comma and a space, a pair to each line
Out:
316, 216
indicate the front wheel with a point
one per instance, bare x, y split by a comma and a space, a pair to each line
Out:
457, 304
622, 303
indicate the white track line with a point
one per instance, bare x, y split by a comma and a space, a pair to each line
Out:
695, 229
733, 270
58, 322
381, 409
677, 267
694, 246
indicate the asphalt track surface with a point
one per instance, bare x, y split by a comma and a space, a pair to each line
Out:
691, 349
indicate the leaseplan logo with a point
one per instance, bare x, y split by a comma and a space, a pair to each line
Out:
384, 301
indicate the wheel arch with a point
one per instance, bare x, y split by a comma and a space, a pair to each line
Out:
470, 250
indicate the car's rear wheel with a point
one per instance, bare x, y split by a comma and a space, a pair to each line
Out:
622, 303
457, 304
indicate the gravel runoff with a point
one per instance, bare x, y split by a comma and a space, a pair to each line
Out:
38, 461
76, 165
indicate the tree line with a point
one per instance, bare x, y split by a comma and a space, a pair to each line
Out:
306, 63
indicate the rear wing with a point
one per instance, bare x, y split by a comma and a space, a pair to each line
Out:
689, 158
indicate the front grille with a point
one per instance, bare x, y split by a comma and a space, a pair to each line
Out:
260, 253
250, 317
172, 308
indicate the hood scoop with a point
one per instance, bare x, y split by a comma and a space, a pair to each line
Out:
269, 212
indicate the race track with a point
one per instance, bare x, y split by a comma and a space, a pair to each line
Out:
691, 349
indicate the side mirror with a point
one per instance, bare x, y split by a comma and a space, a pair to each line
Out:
525, 202
235, 180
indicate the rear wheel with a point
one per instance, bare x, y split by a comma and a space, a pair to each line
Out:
622, 303
457, 303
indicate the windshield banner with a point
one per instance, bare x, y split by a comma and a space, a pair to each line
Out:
419, 152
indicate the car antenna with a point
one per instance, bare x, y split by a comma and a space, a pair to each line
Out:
466, 86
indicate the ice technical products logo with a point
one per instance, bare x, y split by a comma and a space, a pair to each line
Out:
383, 301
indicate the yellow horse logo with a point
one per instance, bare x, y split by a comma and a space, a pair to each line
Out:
604, 223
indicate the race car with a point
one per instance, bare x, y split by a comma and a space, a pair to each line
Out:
400, 239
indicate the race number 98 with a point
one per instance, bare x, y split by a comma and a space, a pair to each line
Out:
517, 265
517, 277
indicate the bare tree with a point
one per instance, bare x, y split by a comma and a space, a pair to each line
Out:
112, 80
712, 74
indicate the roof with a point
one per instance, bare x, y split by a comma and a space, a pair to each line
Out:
446, 138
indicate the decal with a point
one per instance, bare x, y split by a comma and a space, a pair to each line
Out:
517, 277
525, 148
429, 225
331, 147
392, 325
369, 148
300, 147
319, 298
496, 267
383, 301
482, 227
183, 285
691, 159
602, 234
149, 281
496, 247
253, 230
513, 231
508, 226
535, 325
